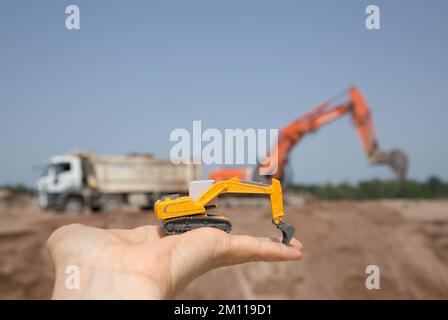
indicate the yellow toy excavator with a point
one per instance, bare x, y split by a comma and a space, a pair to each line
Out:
181, 214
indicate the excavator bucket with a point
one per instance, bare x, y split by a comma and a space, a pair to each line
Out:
287, 231
396, 159
398, 162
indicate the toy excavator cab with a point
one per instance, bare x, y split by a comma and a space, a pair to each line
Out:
197, 188
181, 214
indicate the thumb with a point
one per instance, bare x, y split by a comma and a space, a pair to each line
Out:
210, 248
243, 249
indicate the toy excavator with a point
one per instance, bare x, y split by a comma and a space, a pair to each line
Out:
181, 214
321, 115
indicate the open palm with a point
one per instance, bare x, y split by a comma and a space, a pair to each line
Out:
143, 264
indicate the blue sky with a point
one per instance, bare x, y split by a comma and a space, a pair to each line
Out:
136, 70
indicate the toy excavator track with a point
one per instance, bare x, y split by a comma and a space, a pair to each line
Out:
187, 223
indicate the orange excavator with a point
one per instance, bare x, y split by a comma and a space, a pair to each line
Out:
321, 115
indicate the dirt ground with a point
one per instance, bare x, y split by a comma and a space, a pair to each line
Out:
407, 240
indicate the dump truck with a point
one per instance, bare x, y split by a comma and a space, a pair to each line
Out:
80, 180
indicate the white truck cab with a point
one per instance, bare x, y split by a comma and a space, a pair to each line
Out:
61, 175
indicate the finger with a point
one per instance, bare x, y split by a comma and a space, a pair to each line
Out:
243, 249
294, 242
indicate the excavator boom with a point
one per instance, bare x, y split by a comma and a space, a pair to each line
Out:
318, 117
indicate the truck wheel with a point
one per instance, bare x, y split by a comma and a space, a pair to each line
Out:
111, 204
74, 205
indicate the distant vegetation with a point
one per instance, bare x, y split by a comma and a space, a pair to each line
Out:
432, 188
18, 189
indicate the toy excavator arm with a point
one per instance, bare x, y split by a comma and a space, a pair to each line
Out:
274, 190
236, 185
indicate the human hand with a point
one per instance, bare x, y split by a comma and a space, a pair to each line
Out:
143, 264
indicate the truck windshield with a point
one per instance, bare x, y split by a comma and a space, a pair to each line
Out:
57, 168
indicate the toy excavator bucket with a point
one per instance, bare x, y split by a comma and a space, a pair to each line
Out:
287, 231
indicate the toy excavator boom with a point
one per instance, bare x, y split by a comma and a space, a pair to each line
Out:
181, 214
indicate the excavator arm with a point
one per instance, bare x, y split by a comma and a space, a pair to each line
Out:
396, 159
318, 117
172, 207
293, 133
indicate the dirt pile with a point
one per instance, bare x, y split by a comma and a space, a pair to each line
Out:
408, 241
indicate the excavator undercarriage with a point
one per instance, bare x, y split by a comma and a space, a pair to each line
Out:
187, 223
